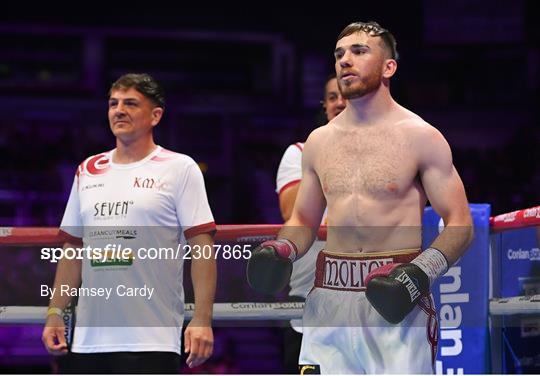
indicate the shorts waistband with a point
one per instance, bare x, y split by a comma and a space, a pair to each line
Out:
347, 271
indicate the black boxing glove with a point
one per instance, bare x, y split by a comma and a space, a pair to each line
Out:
270, 266
395, 289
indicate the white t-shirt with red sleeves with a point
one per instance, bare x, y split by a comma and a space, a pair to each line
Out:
152, 204
290, 173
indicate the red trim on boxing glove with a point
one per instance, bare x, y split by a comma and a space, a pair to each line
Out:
382, 271
284, 248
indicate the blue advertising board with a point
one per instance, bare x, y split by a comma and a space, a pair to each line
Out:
462, 299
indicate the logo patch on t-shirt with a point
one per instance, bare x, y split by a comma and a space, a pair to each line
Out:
111, 210
113, 258
149, 183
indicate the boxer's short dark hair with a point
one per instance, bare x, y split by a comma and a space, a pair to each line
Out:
373, 29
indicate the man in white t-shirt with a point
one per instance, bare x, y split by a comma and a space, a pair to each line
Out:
139, 197
288, 178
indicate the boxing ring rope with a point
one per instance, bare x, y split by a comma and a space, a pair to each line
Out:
523, 305
516, 219
46, 236
51, 236
222, 311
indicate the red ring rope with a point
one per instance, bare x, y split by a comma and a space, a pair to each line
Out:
516, 219
50, 236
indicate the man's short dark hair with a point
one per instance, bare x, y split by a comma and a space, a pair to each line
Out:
330, 77
144, 84
373, 29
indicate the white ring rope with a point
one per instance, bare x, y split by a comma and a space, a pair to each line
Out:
517, 305
222, 311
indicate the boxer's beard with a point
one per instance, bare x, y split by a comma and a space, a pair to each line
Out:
360, 87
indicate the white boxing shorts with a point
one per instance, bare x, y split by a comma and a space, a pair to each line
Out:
344, 334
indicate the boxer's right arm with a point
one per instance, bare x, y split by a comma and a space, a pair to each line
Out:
68, 272
270, 266
301, 229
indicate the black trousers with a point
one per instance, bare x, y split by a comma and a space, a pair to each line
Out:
292, 341
120, 362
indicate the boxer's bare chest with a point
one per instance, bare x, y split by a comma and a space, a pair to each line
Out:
371, 163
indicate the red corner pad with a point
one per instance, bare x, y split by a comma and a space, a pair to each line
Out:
209, 227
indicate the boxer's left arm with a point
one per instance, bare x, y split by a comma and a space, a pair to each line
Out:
198, 337
395, 289
445, 192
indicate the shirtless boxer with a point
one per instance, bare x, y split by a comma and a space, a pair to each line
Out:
375, 167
